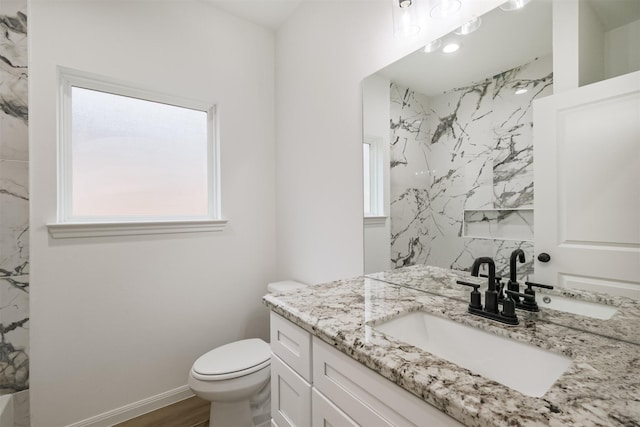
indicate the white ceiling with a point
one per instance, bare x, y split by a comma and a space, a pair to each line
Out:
504, 40
616, 13
268, 13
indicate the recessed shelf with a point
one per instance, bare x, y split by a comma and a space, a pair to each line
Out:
498, 224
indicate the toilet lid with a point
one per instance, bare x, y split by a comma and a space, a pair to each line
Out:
239, 357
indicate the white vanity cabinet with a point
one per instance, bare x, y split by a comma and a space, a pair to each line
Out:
290, 374
313, 384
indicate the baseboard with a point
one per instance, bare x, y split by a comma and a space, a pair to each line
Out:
136, 409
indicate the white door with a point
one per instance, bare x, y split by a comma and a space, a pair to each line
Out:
587, 187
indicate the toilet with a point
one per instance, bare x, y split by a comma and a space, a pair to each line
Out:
235, 378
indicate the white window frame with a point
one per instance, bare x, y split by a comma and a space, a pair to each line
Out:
68, 226
371, 185
375, 214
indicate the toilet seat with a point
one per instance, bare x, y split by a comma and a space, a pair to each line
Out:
232, 360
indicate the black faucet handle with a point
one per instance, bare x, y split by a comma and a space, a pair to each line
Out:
513, 300
509, 306
528, 300
498, 278
526, 297
514, 286
475, 286
475, 299
538, 285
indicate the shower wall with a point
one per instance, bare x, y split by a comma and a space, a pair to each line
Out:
14, 198
462, 170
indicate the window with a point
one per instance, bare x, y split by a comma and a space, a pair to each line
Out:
372, 168
134, 161
369, 192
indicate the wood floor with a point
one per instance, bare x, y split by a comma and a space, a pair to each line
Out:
191, 412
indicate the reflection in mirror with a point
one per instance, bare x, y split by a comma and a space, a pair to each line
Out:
460, 153
454, 173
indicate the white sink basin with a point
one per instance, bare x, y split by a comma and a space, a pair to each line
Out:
574, 306
522, 367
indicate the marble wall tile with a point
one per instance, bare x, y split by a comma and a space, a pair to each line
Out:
14, 333
470, 148
14, 218
13, 80
14, 201
14, 306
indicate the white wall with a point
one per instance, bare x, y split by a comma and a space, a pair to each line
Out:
117, 320
622, 50
322, 54
585, 52
376, 110
591, 45
566, 32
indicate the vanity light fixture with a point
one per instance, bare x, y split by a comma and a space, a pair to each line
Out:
433, 46
405, 19
514, 5
451, 47
444, 8
469, 27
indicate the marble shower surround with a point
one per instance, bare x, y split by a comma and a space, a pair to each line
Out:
469, 149
14, 198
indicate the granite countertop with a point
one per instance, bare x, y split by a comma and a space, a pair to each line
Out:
600, 388
624, 325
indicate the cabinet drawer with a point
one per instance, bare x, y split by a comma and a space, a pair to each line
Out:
356, 390
290, 396
326, 413
292, 344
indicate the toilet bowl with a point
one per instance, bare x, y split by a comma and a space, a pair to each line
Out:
235, 378
229, 376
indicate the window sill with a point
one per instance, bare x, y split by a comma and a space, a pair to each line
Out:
105, 229
374, 220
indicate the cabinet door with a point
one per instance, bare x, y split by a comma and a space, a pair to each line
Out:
290, 396
292, 344
326, 414
369, 399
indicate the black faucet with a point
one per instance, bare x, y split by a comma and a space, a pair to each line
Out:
490, 295
518, 254
490, 311
513, 285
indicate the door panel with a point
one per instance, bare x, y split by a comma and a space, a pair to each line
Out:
587, 187
599, 159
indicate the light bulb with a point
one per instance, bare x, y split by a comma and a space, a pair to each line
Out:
405, 19
514, 5
433, 46
451, 47
469, 27
445, 8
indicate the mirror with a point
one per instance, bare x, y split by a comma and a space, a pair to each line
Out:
448, 147
460, 145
